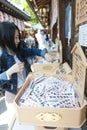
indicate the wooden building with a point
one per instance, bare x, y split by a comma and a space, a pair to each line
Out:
60, 17
9, 12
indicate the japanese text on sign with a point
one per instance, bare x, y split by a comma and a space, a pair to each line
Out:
83, 35
81, 11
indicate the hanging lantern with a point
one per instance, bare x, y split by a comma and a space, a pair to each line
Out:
46, 23
44, 19
44, 11
40, 11
36, 9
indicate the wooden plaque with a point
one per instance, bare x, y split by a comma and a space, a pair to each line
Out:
79, 70
81, 11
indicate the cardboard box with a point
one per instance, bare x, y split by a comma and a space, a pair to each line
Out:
45, 67
54, 68
58, 117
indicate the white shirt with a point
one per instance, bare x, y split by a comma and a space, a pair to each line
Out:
41, 40
21, 75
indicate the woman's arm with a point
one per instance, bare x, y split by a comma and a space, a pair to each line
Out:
5, 76
27, 52
17, 67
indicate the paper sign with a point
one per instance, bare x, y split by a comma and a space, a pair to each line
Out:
83, 35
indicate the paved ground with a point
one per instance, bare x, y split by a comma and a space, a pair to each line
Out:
7, 115
18, 126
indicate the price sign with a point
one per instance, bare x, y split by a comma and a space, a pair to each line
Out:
83, 35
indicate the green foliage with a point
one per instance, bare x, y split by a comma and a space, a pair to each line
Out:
27, 8
17, 1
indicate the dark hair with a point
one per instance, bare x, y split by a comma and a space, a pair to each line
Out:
7, 33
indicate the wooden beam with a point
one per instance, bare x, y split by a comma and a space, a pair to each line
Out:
42, 3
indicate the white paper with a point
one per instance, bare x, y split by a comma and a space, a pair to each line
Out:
83, 35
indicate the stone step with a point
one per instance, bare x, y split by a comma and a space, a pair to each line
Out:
7, 115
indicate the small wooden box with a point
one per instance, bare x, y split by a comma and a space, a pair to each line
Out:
44, 67
56, 68
58, 117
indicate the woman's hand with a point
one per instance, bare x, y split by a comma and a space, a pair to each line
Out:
48, 57
17, 67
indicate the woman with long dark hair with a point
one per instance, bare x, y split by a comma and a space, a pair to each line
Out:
12, 53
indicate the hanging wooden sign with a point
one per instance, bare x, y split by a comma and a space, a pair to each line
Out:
81, 11
79, 70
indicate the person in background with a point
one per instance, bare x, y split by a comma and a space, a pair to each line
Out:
31, 40
26, 37
31, 43
41, 40
47, 41
13, 53
23, 43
